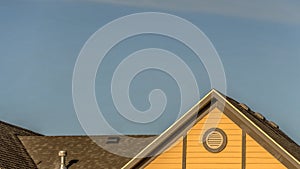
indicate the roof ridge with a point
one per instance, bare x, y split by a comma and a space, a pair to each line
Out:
265, 121
18, 127
13, 153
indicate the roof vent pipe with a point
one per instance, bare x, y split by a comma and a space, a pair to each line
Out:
62, 155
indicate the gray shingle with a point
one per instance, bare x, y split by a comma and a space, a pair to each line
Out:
13, 154
82, 150
275, 133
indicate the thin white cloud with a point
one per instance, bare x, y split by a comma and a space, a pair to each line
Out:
269, 10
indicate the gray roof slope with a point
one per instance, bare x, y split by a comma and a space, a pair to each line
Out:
275, 133
13, 154
82, 152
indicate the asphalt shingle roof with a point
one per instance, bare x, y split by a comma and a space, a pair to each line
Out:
13, 154
82, 152
275, 133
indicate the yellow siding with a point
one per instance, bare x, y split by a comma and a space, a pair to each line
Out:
171, 158
258, 157
230, 158
199, 157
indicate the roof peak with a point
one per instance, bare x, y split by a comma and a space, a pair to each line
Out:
267, 132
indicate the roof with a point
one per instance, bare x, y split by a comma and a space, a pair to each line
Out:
275, 133
23, 149
12, 152
266, 133
83, 152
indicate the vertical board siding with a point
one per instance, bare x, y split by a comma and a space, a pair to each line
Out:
244, 149
171, 158
199, 157
258, 157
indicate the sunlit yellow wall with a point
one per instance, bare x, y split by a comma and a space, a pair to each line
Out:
171, 158
199, 157
258, 157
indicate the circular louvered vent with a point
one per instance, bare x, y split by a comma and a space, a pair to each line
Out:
214, 140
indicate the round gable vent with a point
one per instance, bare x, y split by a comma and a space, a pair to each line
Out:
214, 140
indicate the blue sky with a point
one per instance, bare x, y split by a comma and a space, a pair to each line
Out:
258, 43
